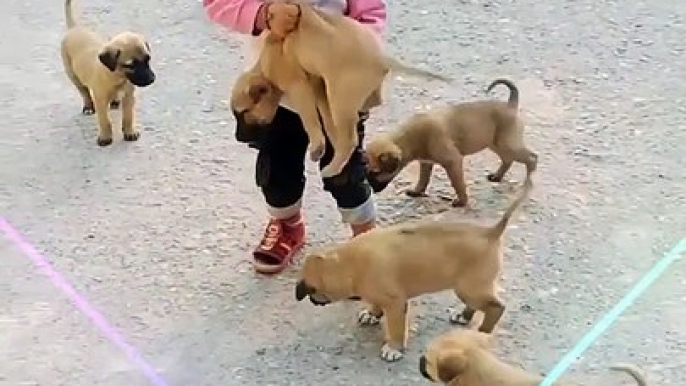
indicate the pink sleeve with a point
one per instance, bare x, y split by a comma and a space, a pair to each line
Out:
371, 13
236, 15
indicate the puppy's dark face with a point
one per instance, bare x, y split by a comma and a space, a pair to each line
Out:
129, 55
325, 278
447, 356
384, 162
254, 103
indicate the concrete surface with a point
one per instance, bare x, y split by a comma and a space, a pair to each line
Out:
156, 233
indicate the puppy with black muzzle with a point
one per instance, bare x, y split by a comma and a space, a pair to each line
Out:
463, 358
106, 73
388, 266
443, 136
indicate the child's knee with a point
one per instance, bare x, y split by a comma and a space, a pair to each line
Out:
361, 214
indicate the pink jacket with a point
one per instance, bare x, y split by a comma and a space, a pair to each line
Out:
239, 15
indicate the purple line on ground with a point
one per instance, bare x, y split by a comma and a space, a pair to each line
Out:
110, 332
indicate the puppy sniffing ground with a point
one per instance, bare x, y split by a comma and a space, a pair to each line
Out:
102, 70
463, 357
443, 136
388, 266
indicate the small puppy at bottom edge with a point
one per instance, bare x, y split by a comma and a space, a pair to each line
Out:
463, 357
102, 70
388, 266
444, 136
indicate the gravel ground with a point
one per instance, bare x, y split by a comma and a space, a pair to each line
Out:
156, 233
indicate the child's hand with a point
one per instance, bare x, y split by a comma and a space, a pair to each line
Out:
282, 18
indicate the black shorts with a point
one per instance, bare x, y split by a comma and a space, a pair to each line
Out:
280, 167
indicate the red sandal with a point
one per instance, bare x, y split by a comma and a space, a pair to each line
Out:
281, 241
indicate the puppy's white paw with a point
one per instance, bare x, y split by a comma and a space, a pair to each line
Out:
456, 317
390, 354
366, 318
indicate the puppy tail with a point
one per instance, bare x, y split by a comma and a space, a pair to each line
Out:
633, 371
395, 65
497, 230
69, 13
513, 101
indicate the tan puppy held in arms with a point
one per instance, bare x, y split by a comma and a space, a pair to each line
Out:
444, 136
324, 62
388, 266
463, 357
101, 70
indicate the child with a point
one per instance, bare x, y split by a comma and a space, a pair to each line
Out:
280, 165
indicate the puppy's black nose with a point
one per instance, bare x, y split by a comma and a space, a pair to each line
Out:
422, 368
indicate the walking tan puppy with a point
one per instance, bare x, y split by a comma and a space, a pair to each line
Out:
463, 358
327, 64
445, 135
102, 70
388, 266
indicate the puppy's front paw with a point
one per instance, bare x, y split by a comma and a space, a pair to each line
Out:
102, 142
415, 193
132, 136
88, 110
494, 177
390, 354
366, 318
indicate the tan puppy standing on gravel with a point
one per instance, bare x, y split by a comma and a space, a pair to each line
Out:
444, 136
388, 266
327, 65
463, 357
102, 70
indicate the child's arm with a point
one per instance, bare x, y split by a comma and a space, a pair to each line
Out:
371, 13
244, 16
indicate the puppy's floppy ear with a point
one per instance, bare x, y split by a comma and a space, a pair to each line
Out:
450, 365
389, 162
109, 57
257, 91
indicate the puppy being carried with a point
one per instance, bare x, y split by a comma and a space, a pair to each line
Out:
445, 135
327, 64
102, 70
388, 266
463, 358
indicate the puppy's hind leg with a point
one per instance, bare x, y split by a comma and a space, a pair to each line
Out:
425, 170
486, 301
116, 102
303, 99
346, 97
88, 107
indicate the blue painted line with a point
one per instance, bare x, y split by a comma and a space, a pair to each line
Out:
603, 324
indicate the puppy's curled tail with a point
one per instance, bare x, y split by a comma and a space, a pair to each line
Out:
69, 13
633, 371
497, 230
395, 65
513, 101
